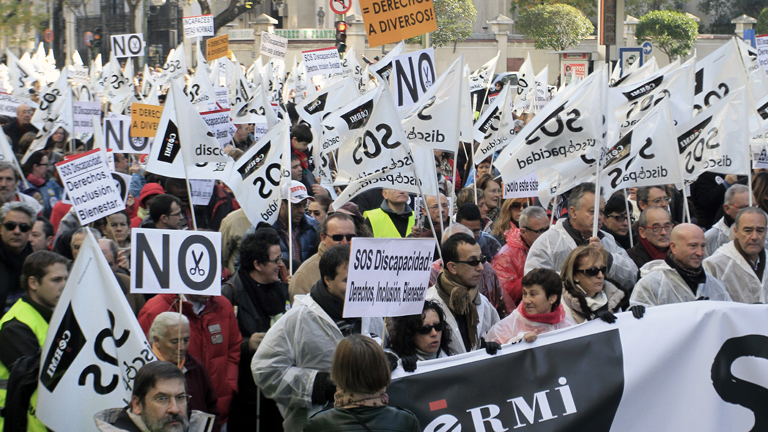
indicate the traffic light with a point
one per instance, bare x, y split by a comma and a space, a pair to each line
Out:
97, 37
341, 36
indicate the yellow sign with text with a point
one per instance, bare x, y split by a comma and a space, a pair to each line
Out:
145, 119
216, 47
390, 21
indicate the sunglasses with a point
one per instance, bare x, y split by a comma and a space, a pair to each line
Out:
621, 218
538, 231
594, 271
474, 262
427, 329
518, 206
340, 237
23, 227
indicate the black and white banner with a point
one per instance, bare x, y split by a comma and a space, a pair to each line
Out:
481, 78
697, 366
414, 74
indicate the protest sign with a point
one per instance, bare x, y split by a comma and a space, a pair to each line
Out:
175, 262
127, 45
9, 104
761, 43
144, 119
93, 347
88, 182
216, 47
117, 133
82, 115
525, 187
596, 376
414, 74
388, 277
390, 22
322, 61
220, 125
202, 190
273, 45
78, 74
198, 26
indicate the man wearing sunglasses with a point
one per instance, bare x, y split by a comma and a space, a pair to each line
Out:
553, 247
469, 313
17, 222
654, 228
338, 228
616, 222
736, 200
740, 264
679, 277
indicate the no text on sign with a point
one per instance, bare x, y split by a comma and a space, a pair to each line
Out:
389, 21
216, 47
175, 262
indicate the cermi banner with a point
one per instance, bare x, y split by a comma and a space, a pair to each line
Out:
389, 21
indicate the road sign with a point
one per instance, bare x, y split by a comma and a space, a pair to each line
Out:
341, 6
88, 38
48, 35
647, 48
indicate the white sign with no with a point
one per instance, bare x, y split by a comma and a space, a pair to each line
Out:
175, 262
127, 45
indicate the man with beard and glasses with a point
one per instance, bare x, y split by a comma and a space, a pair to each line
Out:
158, 404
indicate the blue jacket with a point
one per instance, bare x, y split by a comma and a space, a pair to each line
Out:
307, 237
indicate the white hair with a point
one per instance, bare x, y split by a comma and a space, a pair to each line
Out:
163, 321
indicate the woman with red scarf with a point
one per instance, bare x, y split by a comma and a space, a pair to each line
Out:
540, 310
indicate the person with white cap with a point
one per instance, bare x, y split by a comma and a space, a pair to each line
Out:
304, 228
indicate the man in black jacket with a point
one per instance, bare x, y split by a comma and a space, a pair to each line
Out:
259, 299
16, 129
17, 221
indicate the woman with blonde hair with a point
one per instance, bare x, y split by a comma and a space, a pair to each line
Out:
361, 373
509, 218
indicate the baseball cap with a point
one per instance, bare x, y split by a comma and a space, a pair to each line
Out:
297, 192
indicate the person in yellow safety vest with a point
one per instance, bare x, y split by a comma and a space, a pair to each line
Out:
394, 219
24, 326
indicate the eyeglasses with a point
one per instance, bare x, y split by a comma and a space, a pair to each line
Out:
340, 237
538, 231
621, 218
277, 260
427, 329
660, 200
474, 262
23, 227
657, 228
435, 207
594, 271
519, 205
164, 401
175, 214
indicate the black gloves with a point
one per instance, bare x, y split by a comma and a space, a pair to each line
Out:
323, 389
409, 363
490, 347
606, 316
702, 298
391, 359
638, 311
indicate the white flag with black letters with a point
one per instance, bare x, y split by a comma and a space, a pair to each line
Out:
481, 78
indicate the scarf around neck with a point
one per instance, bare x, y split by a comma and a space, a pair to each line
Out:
270, 299
555, 317
35, 180
349, 399
161, 358
652, 250
692, 278
460, 300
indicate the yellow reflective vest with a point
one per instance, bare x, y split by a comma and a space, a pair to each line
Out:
382, 224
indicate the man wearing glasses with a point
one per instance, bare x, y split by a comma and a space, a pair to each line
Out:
468, 313
16, 129
679, 277
338, 228
616, 222
655, 226
736, 199
740, 264
159, 403
17, 222
166, 212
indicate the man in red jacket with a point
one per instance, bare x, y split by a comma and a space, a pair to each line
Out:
215, 337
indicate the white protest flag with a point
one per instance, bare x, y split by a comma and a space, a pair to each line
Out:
372, 140
647, 69
50, 102
290, 83
304, 86
616, 74
93, 347
255, 70
198, 143
63, 118
76, 59
716, 139
718, 74
6, 153
352, 66
631, 101
256, 176
542, 96
569, 129
117, 88
256, 110
165, 156
175, 66
383, 67
18, 75
202, 63
526, 78
495, 128
200, 91
466, 113
481, 78
643, 156
147, 82
274, 78
434, 120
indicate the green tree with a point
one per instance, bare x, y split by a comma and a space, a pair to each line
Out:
762, 22
642, 7
674, 33
20, 20
556, 27
455, 19
587, 7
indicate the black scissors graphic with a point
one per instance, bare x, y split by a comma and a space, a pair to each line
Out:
196, 269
